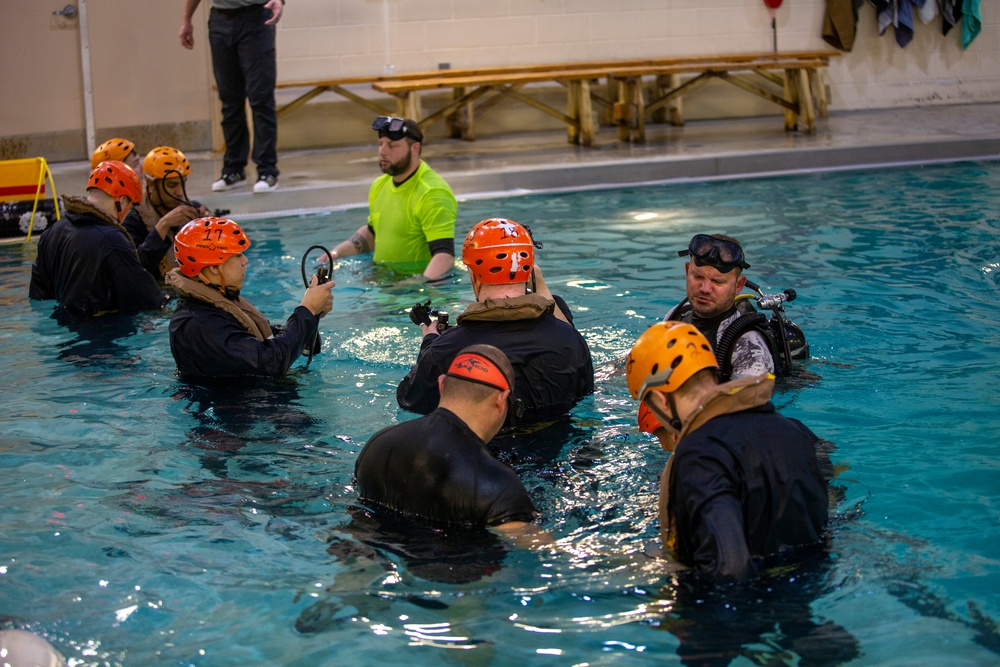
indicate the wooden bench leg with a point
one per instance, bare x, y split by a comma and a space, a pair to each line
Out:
573, 111
622, 110
585, 112
411, 106
818, 88
580, 109
461, 120
806, 109
673, 111
639, 132
608, 113
656, 91
792, 95
676, 107
630, 110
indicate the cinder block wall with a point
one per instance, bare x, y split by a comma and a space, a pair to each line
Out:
159, 90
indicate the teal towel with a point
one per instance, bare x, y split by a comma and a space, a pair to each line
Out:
972, 21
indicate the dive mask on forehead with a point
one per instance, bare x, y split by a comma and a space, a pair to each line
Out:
396, 128
722, 254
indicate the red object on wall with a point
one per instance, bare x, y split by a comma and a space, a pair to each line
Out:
773, 4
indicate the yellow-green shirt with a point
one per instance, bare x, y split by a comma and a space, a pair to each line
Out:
407, 217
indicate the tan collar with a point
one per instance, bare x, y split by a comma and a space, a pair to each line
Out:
80, 206
251, 318
527, 307
728, 397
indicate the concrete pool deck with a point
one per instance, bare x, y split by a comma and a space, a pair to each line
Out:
336, 178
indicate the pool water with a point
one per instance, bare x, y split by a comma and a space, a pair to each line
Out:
151, 522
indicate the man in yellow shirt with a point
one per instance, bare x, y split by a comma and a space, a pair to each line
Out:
412, 210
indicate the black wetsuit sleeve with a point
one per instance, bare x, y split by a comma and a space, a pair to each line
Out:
135, 227
418, 390
207, 342
133, 287
563, 307
442, 245
709, 513
512, 504
152, 250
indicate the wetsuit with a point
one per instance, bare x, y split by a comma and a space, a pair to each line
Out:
215, 337
87, 262
552, 365
751, 355
412, 220
437, 468
155, 252
744, 486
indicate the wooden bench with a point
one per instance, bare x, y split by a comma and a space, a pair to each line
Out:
790, 79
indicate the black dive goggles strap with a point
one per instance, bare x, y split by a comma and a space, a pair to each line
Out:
712, 251
392, 127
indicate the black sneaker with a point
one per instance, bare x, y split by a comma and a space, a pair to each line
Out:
266, 183
228, 182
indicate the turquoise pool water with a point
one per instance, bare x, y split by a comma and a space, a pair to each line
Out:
148, 522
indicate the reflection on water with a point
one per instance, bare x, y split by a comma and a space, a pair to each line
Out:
151, 521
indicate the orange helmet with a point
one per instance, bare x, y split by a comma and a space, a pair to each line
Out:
665, 356
208, 242
113, 149
648, 423
163, 160
116, 179
499, 252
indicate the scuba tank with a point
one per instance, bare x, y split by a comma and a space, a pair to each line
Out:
786, 340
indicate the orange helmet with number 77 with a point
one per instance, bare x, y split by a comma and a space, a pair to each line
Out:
499, 252
208, 242
665, 356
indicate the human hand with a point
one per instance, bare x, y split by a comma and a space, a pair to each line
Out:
318, 298
176, 218
323, 258
434, 328
276, 7
187, 35
538, 282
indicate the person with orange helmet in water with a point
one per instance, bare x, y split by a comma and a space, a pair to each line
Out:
743, 489
119, 150
514, 311
86, 261
165, 208
215, 332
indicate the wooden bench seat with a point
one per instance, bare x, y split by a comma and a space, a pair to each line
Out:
797, 85
789, 79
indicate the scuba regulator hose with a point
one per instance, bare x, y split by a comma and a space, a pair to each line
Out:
184, 199
322, 276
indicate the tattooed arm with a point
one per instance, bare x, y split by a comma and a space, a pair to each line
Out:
363, 241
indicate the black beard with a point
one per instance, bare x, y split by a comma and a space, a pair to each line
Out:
400, 167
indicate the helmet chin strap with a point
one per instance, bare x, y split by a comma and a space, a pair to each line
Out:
672, 421
231, 293
120, 212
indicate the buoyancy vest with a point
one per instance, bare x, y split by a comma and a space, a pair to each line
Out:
722, 344
245, 313
527, 307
